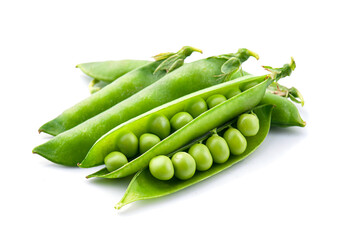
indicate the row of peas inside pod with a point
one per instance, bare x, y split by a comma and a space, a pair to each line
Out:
201, 157
159, 127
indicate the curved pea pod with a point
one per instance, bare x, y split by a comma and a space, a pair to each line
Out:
109, 71
285, 113
205, 122
122, 88
71, 147
145, 186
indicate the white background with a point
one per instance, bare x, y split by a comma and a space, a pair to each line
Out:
285, 190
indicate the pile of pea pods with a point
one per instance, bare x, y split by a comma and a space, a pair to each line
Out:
170, 124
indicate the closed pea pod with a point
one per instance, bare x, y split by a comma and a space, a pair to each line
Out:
72, 146
124, 87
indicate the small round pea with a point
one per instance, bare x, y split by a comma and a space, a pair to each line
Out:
236, 141
202, 156
159, 125
233, 93
127, 143
161, 167
248, 124
115, 160
196, 107
147, 141
184, 165
249, 85
215, 99
180, 119
218, 148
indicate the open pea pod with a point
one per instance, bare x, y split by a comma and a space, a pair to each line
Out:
203, 123
145, 186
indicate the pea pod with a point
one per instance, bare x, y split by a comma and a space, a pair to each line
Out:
285, 113
145, 186
207, 121
109, 71
124, 87
106, 72
71, 147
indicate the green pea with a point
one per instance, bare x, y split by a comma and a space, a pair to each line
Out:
236, 141
218, 148
115, 160
249, 85
202, 156
127, 143
233, 93
161, 167
184, 165
159, 125
215, 99
180, 119
196, 107
248, 124
147, 141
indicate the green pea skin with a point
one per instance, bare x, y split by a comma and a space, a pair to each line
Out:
115, 160
248, 124
249, 85
127, 143
236, 141
202, 156
233, 93
215, 99
161, 167
184, 165
147, 141
160, 126
196, 107
180, 119
218, 148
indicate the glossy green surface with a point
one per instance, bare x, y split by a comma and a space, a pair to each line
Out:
115, 160
237, 143
180, 119
184, 165
285, 113
145, 186
218, 148
233, 93
248, 124
159, 125
72, 146
161, 167
199, 126
214, 100
147, 141
127, 143
202, 156
122, 88
109, 71
196, 107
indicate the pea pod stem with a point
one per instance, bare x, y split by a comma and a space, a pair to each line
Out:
145, 186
